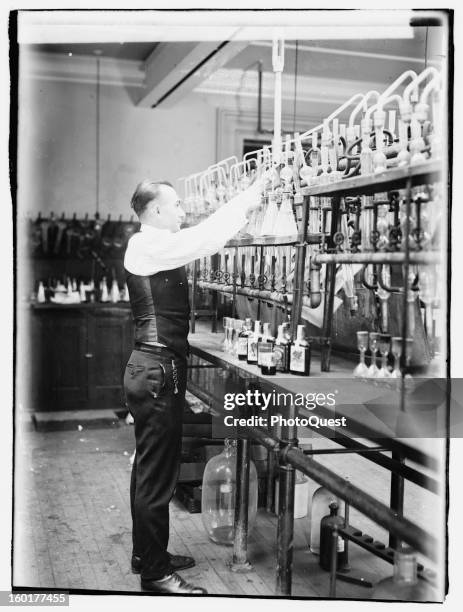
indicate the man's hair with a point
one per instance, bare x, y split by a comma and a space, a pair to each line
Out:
146, 192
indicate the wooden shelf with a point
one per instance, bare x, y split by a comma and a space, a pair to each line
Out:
356, 400
390, 179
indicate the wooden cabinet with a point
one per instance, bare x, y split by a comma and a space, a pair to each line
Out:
78, 355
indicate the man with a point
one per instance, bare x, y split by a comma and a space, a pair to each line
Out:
155, 377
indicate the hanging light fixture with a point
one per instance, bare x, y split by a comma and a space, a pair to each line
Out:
97, 53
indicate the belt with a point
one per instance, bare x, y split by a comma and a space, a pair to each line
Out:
163, 351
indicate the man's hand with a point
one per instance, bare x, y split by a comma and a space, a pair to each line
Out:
270, 178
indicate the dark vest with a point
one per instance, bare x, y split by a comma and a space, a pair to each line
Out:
161, 308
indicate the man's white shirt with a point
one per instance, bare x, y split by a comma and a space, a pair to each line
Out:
153, 250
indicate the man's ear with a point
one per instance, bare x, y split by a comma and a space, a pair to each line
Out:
157, 210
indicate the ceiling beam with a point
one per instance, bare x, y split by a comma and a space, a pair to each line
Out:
175, 69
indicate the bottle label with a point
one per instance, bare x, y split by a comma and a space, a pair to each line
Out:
267, 359
263, 349
242, 346
252, 349
340, 545
280, 357
298, 358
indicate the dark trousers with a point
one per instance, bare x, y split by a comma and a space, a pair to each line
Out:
155, 384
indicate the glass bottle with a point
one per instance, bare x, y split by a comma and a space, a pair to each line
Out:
404, 584
104, 296
115, 295
41, 293
327, 525
218, 495
321, 500
299, 362
281, 349
265, 344
301, 495
242, 344
253, 339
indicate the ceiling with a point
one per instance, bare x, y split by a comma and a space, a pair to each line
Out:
308, 60
135, 51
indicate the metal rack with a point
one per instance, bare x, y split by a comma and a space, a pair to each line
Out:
284, 449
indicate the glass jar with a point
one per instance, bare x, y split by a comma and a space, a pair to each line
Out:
404, 585
218, 495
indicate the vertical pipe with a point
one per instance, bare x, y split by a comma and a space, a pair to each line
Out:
330, 283
397, 481
278, 63
397, 497
271, 467
234, 280
346, 525
334, 561
270, 488
240, 544
215, 294
285, 529
259, 279
194, 281
301, 247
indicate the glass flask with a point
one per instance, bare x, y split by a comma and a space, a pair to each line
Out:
321, 500
218, 495
404, 584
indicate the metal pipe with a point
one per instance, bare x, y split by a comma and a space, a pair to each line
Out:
285, 528
334, 561
278, 63
414, 535
240, 541
362, 105
396, 498
377, 258
413, 86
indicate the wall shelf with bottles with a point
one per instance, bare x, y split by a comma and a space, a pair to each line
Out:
392, 178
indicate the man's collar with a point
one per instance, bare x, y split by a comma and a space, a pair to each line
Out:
151, 228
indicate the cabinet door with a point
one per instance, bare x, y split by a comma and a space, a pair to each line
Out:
110, 344
65, 362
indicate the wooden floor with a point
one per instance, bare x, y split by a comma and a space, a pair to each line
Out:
72, 523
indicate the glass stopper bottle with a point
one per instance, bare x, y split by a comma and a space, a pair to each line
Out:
253, 339
281, 349
300, 354
242, 344
321, 500
327, 525
265, 344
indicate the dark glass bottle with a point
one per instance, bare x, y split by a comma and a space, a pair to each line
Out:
327, 525
299, 362
281, 351
266, 357
242, 345
253, 339
265, 345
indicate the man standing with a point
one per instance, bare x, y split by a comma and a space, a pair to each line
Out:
155, 376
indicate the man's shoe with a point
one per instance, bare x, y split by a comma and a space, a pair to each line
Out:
177, 563
136, 564
172, 585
